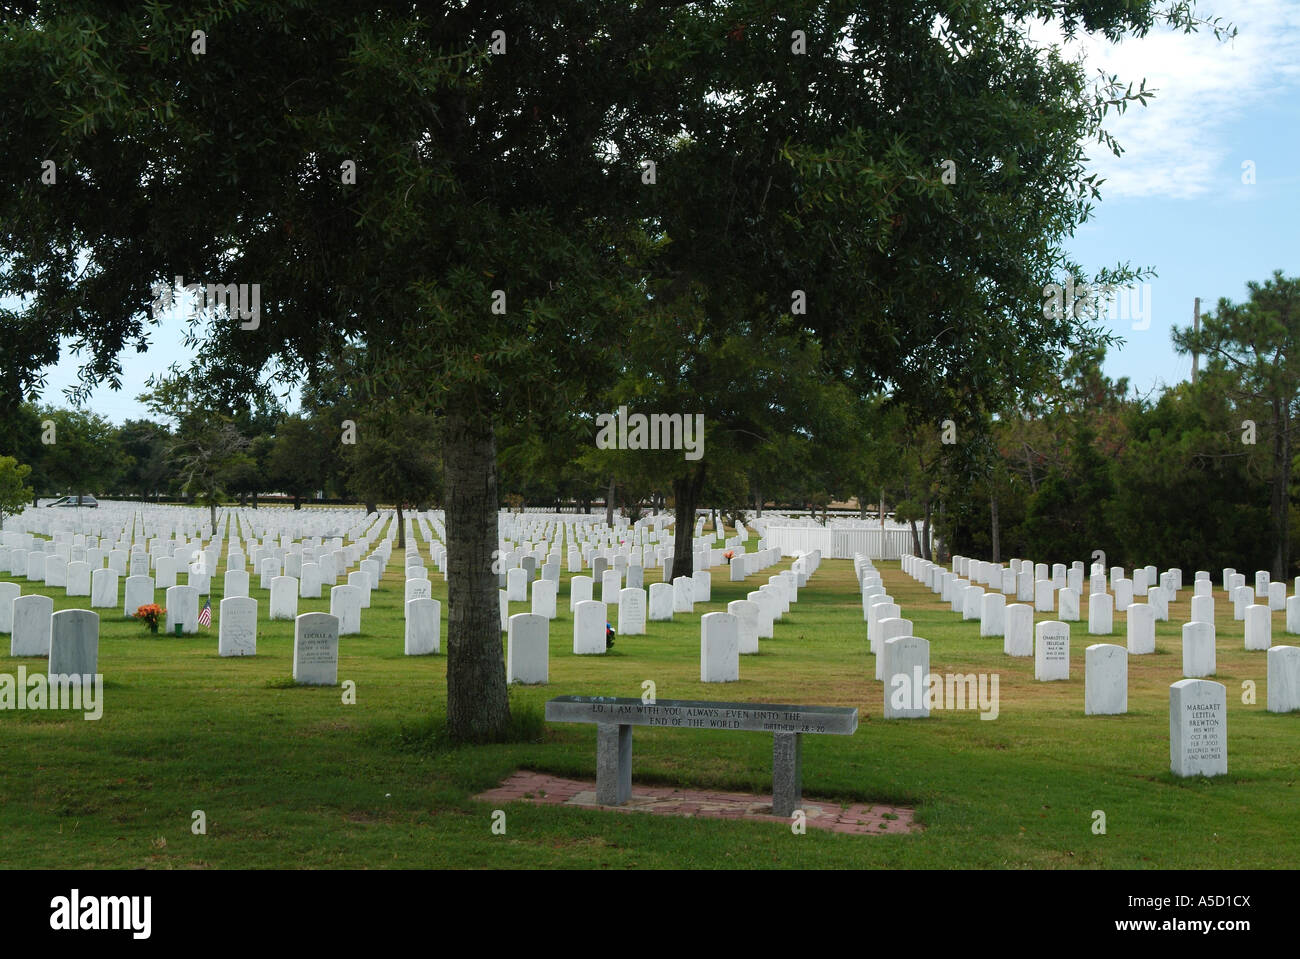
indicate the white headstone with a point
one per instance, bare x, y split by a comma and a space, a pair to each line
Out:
528, 647
1198, 728
544, 598
631, 611
423, 624
414, 589
31, 625
1105, 680
1158, 600
316, 649
683, 595
1019, 638
611, 581
1100, 614
580, 592
79, 579
74, 643
284, 598
1283, 679
182, 604
661, 602
702, 581
1044, 592
310, 584
1068, 603
765, 613
747, 614
993, 614
1198, 650
589, 628
1259, 626
517, 585
164, 572
1141, 629
237, 626
891, 627
8, 593
1051, 650
906, 676
103, 589
56, 571
139, 592
361, 580
719, 648
235, 583
345, 605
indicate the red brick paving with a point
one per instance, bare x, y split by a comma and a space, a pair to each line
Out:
858, 819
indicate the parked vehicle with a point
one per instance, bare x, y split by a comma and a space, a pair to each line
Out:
86, 501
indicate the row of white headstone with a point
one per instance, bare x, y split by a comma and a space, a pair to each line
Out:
71, 639
182, 600
1198, 740
724, 637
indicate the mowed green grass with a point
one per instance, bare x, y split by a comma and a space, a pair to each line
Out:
293, 777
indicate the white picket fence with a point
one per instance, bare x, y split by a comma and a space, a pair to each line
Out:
893, 542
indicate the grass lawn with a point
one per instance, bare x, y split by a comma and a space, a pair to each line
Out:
293, 777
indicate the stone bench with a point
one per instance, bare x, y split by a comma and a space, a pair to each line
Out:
614, 719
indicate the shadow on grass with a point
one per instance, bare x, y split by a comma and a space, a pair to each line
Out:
428, 734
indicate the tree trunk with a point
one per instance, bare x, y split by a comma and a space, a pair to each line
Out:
1278, 505
686, 493
212, 513
997, 531
401, 528
758, 501
478, 708
925, 534
609, 504
916, 541
297, 501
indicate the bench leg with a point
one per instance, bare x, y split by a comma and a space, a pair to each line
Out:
787, 773
613, 763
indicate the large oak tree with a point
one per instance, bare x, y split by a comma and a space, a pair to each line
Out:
500, 234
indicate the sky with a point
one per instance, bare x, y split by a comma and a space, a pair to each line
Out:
1177, 201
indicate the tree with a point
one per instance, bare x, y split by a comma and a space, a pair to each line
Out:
145, 444
492, 243
300, 457
395, 460
206, 447
13, 493
80, 452
1253, 357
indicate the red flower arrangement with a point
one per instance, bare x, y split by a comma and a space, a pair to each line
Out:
149, 615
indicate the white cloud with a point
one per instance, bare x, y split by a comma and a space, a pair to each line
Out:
1180, 143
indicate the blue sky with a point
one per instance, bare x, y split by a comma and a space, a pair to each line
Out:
1175, 201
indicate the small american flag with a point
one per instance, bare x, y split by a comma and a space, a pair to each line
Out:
205, 614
